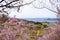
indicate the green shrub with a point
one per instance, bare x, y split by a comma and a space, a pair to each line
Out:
45, 26
38, 23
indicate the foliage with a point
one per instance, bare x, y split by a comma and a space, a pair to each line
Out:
26, 31
45, 26
4, 18
38, 23
38, 32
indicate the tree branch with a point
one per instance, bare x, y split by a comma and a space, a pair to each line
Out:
12, 5
51, 10
1, 1
7, 4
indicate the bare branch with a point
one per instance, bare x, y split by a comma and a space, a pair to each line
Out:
39, 4
1, 1
7, 4
13, 4
51, 10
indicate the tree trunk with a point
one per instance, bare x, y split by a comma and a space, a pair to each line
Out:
58, 16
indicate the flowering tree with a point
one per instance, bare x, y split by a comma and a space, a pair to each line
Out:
56, 3
42, 4
17, 4
9, 4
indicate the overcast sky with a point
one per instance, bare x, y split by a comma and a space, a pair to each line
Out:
30, 12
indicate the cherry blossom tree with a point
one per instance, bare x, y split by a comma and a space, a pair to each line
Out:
56, 3
40, 4
12, 4
7, 5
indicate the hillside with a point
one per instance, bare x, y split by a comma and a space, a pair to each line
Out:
19, 29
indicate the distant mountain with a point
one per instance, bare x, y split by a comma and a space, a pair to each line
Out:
42, 19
